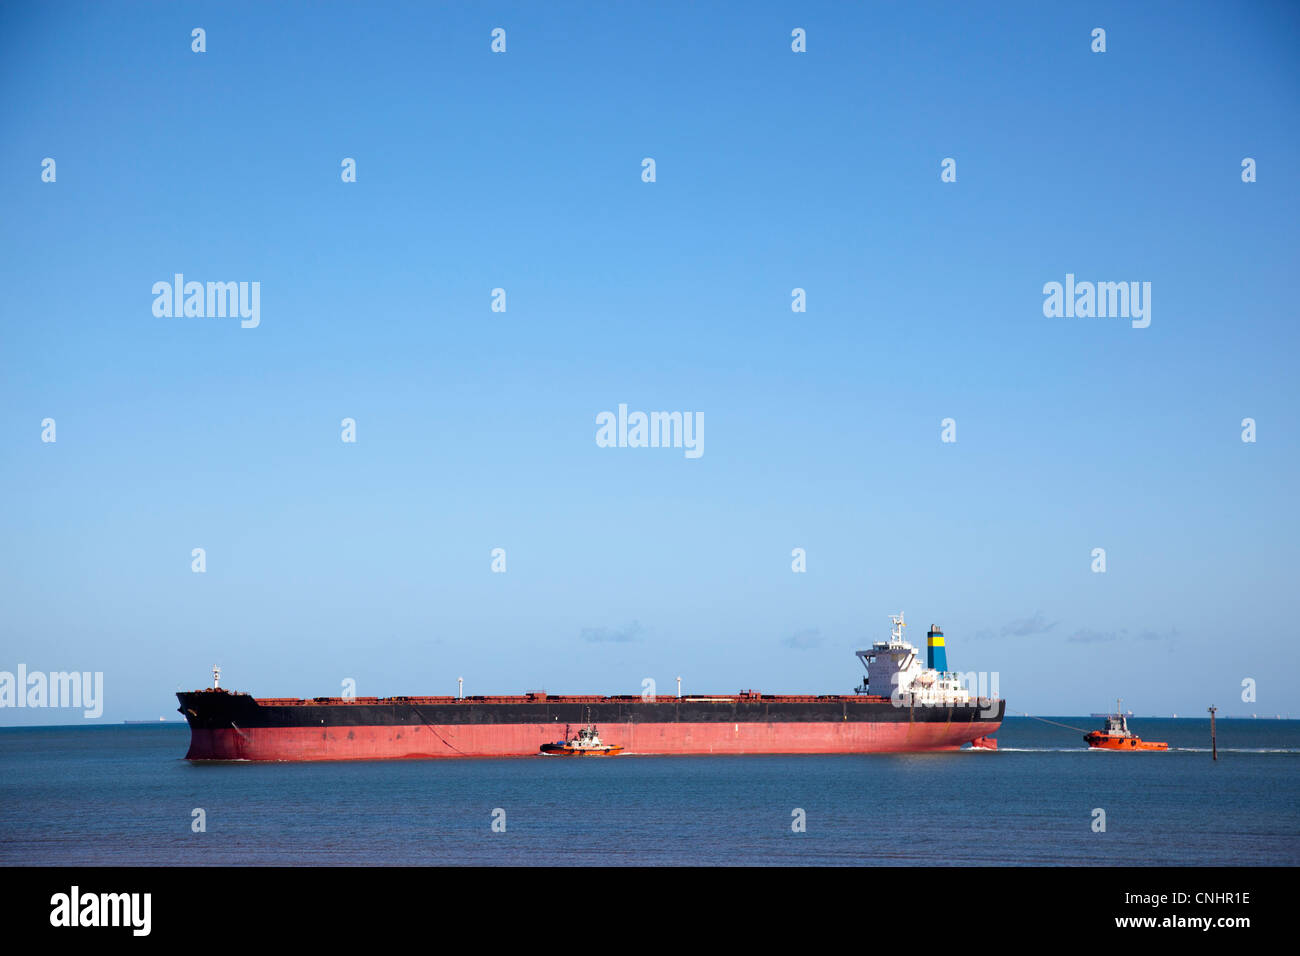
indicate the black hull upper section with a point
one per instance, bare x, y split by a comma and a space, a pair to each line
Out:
213, 710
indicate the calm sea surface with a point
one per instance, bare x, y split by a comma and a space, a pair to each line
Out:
124, 795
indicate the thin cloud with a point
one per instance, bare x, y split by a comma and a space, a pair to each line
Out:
1094, 637
1025, 626
805, 639
612, 635
1036, 623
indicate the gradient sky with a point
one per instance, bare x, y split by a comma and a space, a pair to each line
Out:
476, 429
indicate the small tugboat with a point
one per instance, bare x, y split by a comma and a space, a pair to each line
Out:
1117, 736
586, 744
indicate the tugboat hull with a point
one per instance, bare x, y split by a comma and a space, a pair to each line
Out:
1101, 741
560, 750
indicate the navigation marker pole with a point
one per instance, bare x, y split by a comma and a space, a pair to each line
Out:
1214, 744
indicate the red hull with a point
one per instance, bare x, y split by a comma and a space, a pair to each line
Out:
520, 740
1102, 741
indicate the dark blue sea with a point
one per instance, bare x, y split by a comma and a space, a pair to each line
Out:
124, 795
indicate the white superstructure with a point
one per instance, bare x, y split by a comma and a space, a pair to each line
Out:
895, 670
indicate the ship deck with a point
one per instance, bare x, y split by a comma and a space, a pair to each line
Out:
536, 698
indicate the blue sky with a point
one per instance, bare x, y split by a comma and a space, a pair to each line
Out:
476, 429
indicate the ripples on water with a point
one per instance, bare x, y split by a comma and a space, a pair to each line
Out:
123, 795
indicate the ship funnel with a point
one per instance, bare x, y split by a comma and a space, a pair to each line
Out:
936, 655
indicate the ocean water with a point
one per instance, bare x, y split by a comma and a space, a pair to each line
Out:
125, 795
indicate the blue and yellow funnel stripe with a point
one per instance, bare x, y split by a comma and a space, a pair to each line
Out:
936, 655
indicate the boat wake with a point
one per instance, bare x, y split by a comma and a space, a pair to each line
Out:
1239, 750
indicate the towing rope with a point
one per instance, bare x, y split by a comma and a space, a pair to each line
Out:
420, 713
1054, 723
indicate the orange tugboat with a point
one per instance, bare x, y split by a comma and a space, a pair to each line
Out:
1117, 736
586, 744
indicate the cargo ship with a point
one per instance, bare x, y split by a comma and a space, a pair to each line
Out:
901, 706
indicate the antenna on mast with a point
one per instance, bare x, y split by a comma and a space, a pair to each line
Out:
216, 676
